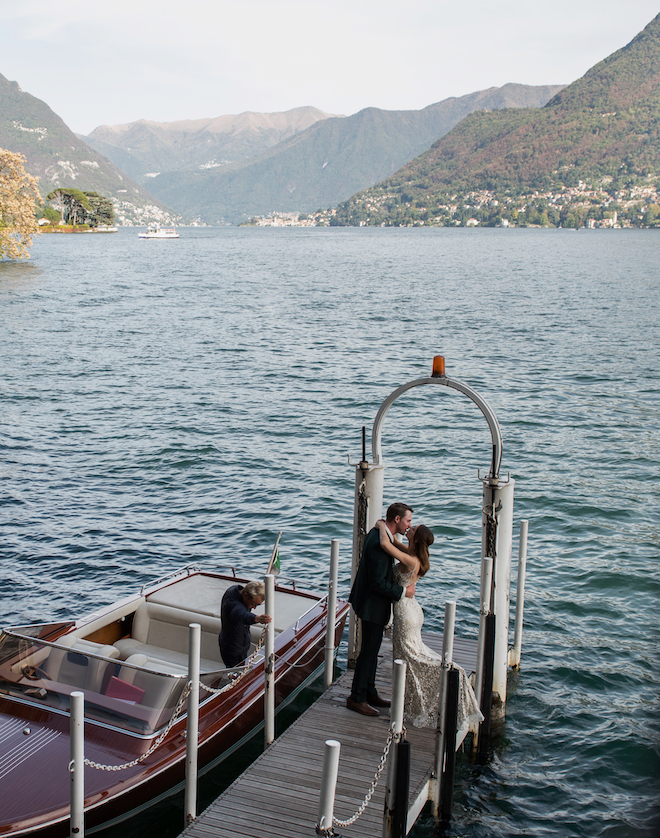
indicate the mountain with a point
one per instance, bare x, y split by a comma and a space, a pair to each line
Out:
143, 148
598, 136
328, 161
58, 158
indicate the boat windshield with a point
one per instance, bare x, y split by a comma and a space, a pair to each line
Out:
116, 692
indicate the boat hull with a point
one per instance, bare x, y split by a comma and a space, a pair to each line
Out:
38, 786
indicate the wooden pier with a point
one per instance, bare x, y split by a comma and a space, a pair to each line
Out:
278, 795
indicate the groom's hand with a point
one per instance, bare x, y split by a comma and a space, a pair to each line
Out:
410, 590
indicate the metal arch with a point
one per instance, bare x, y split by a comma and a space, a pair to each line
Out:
482, 404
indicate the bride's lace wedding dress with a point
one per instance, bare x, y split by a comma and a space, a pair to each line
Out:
423, 666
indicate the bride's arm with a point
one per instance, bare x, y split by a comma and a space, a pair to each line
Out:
408, 561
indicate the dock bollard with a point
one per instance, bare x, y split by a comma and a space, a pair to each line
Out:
514, 654
192, 722
269, 663
332, 613
328, 787
77, 764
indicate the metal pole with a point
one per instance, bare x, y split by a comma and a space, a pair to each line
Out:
77, 764
192, 723
396, 725
514, 657
486, 698
484, 609
441, 733
332, 611
269, 664
328, 786
402, 790
450, 744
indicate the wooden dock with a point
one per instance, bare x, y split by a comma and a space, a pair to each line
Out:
278, 795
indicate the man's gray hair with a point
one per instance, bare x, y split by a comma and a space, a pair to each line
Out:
255, 589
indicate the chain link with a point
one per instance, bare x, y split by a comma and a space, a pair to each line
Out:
392, 736
156, 744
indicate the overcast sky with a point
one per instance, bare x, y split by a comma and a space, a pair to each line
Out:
116, 62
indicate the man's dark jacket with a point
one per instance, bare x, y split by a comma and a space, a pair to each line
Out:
374, 589
236, 621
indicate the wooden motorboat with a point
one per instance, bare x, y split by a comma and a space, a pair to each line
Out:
131, 661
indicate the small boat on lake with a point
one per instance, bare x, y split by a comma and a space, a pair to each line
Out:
131, 661
156, 232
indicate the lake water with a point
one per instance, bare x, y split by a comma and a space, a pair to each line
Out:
169, 402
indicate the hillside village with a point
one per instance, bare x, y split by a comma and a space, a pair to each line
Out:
583, 205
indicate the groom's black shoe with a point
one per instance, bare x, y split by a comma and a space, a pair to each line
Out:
361, 707
379, 702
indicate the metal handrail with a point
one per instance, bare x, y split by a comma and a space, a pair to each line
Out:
444, 380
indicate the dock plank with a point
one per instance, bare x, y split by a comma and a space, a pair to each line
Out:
279, 793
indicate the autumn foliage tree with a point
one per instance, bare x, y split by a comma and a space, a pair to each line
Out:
18, 196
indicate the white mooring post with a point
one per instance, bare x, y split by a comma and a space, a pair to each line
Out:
328, 786
192, 722
332, 613
497, 528
396, 724
269, 663
441, 734
77, 764
514, 654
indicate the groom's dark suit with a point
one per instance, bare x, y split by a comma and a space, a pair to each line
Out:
372, 595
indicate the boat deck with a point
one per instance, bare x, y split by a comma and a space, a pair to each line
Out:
279, 793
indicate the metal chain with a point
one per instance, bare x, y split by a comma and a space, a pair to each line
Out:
156, 744
390, 738
238, 678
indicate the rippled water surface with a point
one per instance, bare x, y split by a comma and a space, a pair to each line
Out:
168, 402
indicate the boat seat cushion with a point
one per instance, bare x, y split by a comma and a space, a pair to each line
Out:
161, 632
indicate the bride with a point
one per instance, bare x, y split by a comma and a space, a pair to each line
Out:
423, 665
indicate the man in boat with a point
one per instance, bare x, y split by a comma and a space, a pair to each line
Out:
374, 590
237, 617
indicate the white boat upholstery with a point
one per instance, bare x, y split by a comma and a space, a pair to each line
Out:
161, 633
203, 595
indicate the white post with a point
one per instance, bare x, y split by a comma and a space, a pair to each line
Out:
441, 734
497, 524
77, 765
396, 725
332, 612
192, 723
514, 655
368, 490
328, 786
484, 610
269, 664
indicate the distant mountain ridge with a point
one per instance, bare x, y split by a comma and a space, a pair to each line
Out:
328, 161
601, 131
143, 148
58, 158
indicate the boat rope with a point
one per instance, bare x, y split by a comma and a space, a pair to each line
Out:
392, 737
156, 744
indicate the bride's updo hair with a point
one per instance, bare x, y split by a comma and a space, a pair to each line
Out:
422, 540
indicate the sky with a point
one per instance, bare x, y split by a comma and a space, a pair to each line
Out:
117, 62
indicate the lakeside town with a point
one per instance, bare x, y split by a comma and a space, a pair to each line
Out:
584, 205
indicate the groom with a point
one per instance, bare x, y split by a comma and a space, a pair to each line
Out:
372, 595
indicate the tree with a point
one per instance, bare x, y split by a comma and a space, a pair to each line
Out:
72, 203
102, 212
18, 197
